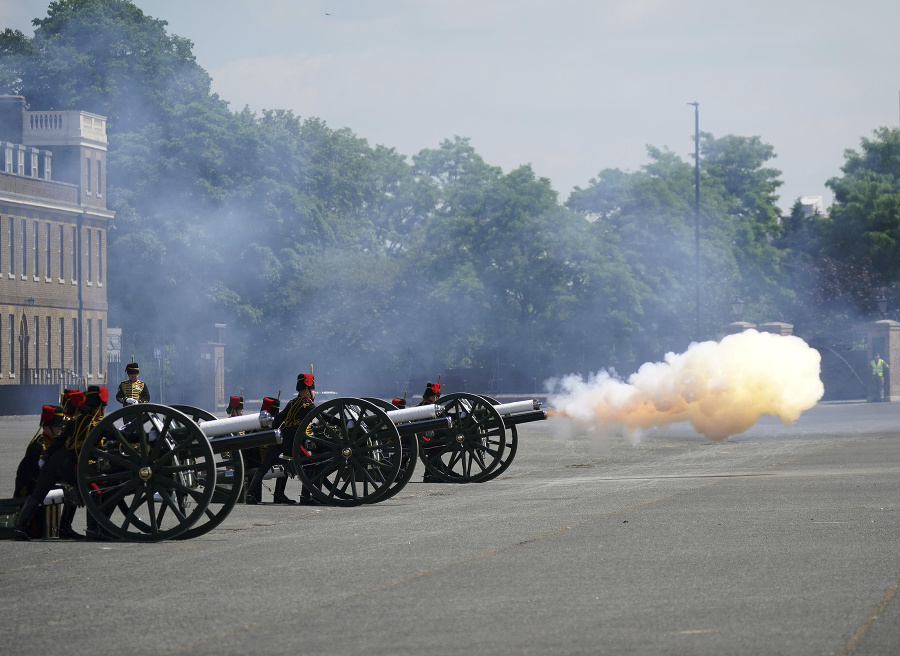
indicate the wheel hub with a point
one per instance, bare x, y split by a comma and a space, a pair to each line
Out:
347, 452
460, 438
145, 473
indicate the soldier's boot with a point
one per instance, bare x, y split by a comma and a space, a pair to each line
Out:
254, 490
23, 518
66, 532
280, 496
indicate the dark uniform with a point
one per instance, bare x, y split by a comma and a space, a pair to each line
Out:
60, 462
53, 420
288, 420
429, 397
132, 390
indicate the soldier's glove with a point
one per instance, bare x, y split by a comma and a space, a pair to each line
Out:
130, 401
40, 462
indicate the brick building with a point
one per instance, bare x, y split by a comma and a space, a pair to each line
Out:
53, 223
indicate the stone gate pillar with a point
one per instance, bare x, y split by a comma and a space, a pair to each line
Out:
884, 339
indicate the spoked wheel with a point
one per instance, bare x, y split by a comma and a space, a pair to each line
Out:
140, 473
409, 454
472, 448
227, 486
347, 452
512, 444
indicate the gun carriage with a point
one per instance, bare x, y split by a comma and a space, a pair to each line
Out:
150, 472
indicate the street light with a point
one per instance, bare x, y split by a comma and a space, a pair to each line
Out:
31, 302
737, 306
697, 205
882, 301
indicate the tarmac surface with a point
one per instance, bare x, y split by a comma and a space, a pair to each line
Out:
781, 540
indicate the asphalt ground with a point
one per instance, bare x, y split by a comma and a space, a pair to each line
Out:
782, 540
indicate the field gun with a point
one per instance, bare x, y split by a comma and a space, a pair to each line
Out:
150, 472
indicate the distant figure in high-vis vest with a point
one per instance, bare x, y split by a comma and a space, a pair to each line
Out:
877, 377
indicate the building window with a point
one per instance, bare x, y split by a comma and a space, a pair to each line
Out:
24, 248
74, 259
90, 345
75, 343
12, 343
37, 343
99, 178
49, 253
88, 166
47, 345
90, 256
62, 256
100, 347
36, 240
12, 247
21, 161
34, 164
61, 339
99, 256
9, 160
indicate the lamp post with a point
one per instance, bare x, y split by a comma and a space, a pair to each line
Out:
882, 301
697, 207
737, 306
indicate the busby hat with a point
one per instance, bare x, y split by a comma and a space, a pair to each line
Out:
398, 403
52, 415
132, 368
305, 381
432, 389
96, 395
270, 405
72, 400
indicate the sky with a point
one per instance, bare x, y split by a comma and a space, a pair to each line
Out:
570, 87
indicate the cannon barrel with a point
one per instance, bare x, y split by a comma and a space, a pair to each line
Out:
245, 441
231, 425
524, 417
504, 409
413, 427
416, 413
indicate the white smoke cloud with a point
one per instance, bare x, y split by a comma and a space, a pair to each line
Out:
721, 388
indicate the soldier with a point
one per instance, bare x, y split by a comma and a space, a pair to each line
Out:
235, 406
60, 462
288, 420
429, 396
132, 390
272, 406
71, 400
399, 403
52, 421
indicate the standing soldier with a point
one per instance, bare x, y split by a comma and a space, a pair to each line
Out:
61, 460
878, 377
132, 390
288, 420
430, 397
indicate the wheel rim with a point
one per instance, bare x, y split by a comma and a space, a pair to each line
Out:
512, 445
409, 453
347, 452
469, 450
228, 485
139, 473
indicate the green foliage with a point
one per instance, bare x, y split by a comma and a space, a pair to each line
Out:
312, 244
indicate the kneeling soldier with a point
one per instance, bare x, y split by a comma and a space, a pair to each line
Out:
61, 460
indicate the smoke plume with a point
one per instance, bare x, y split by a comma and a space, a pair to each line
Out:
721, 388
